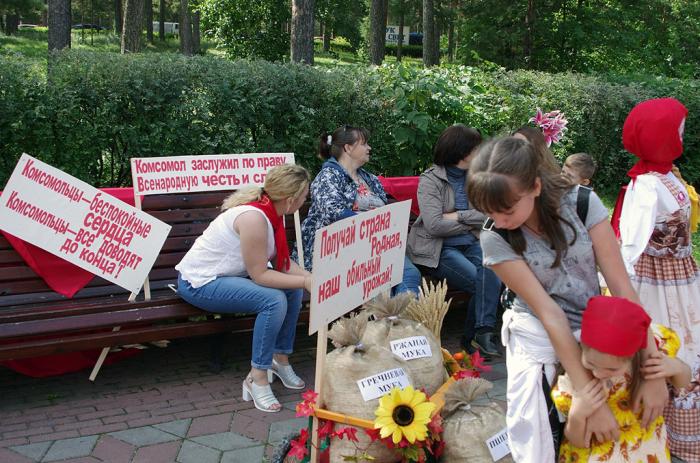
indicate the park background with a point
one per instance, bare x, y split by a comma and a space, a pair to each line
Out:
272, 75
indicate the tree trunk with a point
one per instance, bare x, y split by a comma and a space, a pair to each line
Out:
438, 31
402, 20
185, 29
429, 58
118, 21
149, 21
326, 37
59, 21
302, 35
11, 24
133, 26
161, 20
377, 32
196, 38
451, 33
529, 33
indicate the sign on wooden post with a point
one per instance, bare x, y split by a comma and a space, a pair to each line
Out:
355, 259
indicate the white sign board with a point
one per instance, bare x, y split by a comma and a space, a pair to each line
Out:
498, 445
411, 348
376, 386
78, 223
356, 259
184, 174
392, 34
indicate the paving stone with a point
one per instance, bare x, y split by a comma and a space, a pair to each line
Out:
159, 453
282, 429
250, 427
8, 456
70, 448
178, 427
113, 450
226, 441
54, 436
33, 451
249, 455
210, 424
192, 452
146, 435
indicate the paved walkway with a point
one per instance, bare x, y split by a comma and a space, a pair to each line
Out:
161, 406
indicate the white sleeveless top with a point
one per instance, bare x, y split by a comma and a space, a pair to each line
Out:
218, 251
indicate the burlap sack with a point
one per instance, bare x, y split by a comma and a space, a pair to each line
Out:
470, 418
389, 325
349, 362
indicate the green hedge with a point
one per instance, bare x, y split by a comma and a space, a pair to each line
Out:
101, 109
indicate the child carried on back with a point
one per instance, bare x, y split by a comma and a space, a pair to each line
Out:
613, 334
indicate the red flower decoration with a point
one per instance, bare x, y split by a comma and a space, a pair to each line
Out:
298, 446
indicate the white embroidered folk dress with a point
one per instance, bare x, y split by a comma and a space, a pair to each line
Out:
657, 250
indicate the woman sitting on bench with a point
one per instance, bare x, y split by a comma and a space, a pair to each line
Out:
227, 271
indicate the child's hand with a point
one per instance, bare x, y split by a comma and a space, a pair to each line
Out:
658, 365
588, 400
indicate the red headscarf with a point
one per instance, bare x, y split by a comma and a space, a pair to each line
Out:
615, 326
277, 221
651, 133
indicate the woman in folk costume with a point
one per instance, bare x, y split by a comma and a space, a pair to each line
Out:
657, 250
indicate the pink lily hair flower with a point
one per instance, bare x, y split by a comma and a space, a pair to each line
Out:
552, 124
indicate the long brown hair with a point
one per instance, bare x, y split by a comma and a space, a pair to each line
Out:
536, 138
489, 189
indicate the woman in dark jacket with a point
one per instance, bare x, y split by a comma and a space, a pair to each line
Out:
445, 237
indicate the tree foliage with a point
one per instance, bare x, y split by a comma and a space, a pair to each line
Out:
248, 28
621, 36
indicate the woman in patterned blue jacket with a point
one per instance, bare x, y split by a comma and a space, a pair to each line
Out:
343, 188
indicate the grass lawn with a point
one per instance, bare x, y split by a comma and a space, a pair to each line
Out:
33, 43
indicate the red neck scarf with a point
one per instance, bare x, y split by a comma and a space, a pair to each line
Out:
651, 133
277, 221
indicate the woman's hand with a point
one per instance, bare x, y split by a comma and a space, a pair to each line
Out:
652, 395
602, 425
308, 282
657, 365
588, 399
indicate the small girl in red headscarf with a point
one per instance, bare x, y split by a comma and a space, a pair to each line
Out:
613, 334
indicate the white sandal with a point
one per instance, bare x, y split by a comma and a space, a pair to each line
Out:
286, 374
262, 396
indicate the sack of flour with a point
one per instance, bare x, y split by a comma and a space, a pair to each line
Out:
470, 418
356, 376
406, 338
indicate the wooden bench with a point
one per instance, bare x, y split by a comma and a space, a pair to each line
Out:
35, 321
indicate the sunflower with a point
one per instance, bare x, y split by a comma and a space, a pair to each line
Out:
403, 413
666, 339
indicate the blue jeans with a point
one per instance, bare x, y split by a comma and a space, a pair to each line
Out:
411, 279
463, 268
277, 309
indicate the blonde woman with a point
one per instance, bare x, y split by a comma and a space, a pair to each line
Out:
227, 271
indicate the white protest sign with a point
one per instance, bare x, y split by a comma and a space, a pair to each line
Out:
375, 386
355, 259
183, 174
498, 445
414, 347
78, 223
392, 34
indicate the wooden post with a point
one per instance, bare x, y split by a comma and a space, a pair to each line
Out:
321, 348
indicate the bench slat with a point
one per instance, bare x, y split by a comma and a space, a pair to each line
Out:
33, 348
